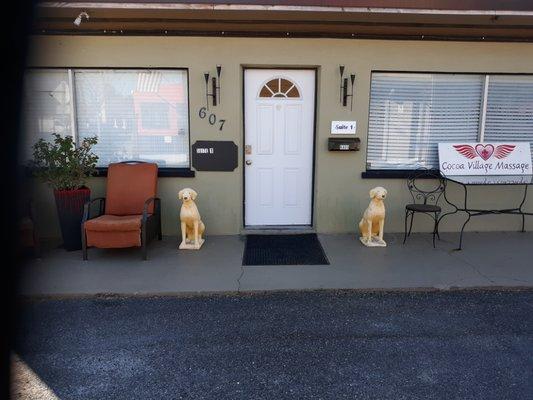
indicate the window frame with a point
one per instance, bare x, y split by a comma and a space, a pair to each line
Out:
405, 173
183, 172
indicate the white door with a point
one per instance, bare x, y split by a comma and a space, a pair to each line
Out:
279, 127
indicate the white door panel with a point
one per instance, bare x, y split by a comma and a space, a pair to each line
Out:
279, 126
265, 129
292, 130
265, 180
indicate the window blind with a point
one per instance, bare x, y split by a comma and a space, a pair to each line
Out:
136, 115
411, 113
46, 109
509, 116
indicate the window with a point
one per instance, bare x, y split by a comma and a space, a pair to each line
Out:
411, 113
136, 114
279, 87
154, 116
47, 107
509, 109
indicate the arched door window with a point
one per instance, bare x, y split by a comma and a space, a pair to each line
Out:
279, 87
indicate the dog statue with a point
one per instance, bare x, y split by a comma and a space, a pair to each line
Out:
192, 227
373, 221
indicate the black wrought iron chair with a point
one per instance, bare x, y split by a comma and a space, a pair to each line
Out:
426, 194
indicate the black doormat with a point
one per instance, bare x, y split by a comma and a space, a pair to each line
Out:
284, 250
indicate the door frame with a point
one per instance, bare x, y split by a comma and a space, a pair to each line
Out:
313, 166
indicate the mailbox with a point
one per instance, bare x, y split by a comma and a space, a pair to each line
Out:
343, 144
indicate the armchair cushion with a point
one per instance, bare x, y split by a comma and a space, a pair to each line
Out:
114, 223
129, 186
113, 231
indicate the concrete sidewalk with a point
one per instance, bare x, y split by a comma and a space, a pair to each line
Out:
497, 259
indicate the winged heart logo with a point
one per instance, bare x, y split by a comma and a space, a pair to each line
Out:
485, 151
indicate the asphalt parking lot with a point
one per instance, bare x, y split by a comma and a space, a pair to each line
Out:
284, 345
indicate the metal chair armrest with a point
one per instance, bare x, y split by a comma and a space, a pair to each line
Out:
157, 207
87, 208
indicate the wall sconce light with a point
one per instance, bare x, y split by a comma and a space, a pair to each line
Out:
80, 17
215, 87
344, 88
341, 70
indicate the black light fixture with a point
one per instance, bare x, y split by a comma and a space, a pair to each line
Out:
344, 88
80, 18
215, 87
341, 70
345, 93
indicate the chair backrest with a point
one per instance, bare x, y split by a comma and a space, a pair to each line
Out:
129, 185
426, 186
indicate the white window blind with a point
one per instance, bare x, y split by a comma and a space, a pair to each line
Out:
136, 114
509, 116
411, 113
47, 107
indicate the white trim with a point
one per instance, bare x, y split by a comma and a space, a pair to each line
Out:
244, 7
484, 109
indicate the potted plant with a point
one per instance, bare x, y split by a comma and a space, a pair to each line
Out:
66, 168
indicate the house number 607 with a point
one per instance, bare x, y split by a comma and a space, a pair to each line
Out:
212, 118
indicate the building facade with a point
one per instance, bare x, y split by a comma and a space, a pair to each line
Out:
145, 95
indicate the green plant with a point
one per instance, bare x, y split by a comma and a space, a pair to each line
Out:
62, 164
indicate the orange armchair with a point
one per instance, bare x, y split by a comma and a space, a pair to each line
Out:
130, 215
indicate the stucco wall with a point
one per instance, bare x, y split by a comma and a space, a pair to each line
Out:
340, 193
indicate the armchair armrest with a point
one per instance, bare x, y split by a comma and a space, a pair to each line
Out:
157, 207
87, 208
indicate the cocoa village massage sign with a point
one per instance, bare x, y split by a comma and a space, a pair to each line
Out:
485, 159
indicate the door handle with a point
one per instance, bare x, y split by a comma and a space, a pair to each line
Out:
248, 162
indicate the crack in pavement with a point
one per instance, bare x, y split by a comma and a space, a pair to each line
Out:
468, 263
474, 267
490, 278
239, 278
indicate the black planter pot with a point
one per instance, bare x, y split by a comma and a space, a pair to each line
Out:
69, 205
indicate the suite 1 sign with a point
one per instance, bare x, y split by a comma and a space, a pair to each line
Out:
485, 158
343, 127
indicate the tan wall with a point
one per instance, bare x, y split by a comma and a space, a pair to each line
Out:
340, 192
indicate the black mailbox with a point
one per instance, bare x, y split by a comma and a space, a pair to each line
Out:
343, 144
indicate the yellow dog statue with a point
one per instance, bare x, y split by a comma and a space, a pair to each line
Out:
192, 227
373, 221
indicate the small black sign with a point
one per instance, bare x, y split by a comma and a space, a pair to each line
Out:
343, 144
214, 155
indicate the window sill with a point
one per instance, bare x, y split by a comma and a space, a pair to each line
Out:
393, 174
162, 172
